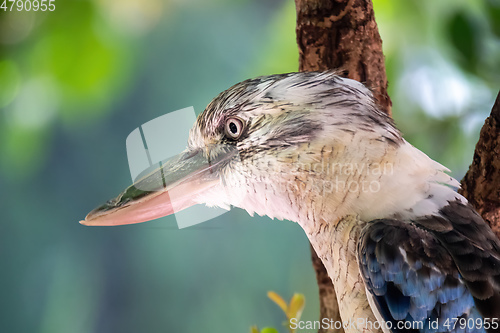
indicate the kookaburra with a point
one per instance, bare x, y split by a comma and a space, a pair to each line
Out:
400, 245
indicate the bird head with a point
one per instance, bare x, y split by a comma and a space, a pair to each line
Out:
295, 146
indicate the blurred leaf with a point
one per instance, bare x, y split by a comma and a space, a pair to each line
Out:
296, 307
493, 12
269, 330
464, 37
292, 310
278, 300
254, 329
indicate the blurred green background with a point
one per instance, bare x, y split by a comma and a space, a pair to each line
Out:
76, 81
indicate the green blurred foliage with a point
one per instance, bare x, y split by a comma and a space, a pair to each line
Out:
464, 36
66, 66
269, 330
442, 61
75, 82
493, 12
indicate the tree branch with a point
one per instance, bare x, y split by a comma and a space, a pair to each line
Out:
481, 184
342, 34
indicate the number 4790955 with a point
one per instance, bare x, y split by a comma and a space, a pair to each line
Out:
28, 5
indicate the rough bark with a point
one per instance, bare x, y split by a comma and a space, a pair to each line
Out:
481, 184
340, 35
343, 35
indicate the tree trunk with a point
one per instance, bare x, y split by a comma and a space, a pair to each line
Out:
481, 184
343, 35
340, 35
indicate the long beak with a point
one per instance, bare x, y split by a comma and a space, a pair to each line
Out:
171, 187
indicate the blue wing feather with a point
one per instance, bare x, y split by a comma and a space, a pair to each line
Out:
413, 278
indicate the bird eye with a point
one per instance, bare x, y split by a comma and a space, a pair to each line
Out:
234, 128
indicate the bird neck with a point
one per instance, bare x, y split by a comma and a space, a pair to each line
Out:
336, 244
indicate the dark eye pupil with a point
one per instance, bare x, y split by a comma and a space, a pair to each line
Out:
233, 128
